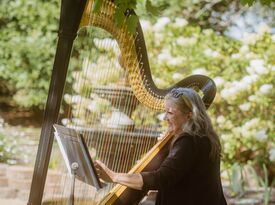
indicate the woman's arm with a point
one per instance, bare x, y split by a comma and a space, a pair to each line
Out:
134, 181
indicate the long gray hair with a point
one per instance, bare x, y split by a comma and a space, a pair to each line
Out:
187, 100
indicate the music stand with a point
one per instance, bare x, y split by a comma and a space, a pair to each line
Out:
77, 158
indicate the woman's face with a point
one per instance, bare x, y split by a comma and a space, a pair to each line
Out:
175, 118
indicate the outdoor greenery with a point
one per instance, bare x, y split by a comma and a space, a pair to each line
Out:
17, 144
11, 150
28, 34
6, 153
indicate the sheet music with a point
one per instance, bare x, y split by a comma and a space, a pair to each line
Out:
74, 150
63, 152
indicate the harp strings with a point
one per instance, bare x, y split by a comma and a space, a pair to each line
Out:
116, 148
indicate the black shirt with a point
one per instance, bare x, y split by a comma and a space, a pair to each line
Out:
187, 176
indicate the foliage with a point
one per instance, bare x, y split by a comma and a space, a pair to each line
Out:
236, 180
251, 2
245, 179
9, 150
28, 32
15, 144
265, 183
199, 12
218, 14
5, 153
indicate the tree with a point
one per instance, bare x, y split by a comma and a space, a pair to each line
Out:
28, 33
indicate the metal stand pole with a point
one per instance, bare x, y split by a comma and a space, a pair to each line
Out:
74, 167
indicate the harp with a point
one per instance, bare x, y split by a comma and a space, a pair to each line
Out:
75, 16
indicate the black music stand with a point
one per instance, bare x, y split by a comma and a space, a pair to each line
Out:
77, 158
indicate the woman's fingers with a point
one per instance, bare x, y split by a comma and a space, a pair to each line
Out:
103, 171
100, 165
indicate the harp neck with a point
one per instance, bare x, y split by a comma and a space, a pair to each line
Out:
135, 61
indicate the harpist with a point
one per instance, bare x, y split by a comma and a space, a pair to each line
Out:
190, 174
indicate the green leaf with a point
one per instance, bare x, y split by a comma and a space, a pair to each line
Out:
132, 4
266, 2
97, 6
150, 8
248, 2
117, 2
119, 16
132, 23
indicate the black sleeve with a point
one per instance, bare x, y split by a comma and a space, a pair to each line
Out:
178, 164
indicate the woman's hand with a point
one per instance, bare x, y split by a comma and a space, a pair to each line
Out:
104, 172
134, 181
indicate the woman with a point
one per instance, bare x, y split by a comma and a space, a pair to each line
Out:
190, 174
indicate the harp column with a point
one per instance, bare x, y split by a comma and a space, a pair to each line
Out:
71, 13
